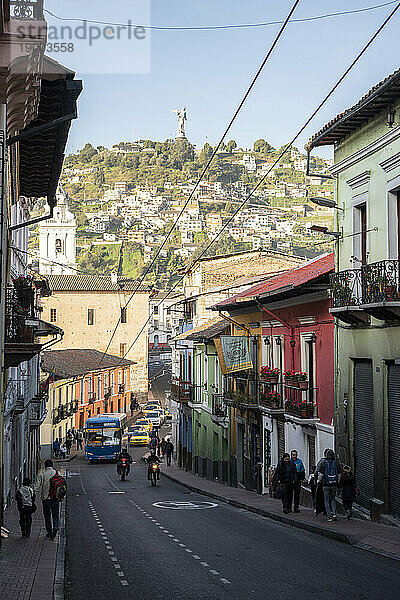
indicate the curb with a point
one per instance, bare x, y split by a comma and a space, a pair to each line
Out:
330, 533
58, 588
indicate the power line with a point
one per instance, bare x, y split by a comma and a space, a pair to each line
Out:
205, 169
218, 27
318, 108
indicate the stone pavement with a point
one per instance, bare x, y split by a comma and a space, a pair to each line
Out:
380, 539
27, 565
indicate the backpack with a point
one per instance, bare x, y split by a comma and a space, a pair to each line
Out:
58, 487
153, 443
331, 472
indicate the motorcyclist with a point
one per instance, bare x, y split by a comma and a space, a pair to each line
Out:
124, 454
151, 459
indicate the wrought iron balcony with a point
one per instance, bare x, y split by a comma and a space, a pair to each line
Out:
270, 396
219, 412
300, 403
92, 398
26, 9
182, 391
346, 287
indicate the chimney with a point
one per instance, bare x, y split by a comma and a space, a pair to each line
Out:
114, 278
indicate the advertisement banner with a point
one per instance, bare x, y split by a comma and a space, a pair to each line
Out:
234, 352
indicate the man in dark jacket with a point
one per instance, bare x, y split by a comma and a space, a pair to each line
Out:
286, 475
169, 450
300, 476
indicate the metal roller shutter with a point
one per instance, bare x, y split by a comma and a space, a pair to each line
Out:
364, 430
281, 439
394, 439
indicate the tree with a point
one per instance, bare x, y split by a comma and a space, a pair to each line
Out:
262, 146
87, 153
231, 145
205, 153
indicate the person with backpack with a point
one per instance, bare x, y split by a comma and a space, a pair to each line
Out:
328, 472
53, 489
25, 498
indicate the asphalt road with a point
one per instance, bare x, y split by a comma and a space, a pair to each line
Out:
121, 544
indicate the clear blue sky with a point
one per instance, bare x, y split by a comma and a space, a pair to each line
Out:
207, 71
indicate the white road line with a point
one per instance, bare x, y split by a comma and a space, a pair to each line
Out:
188, 550
123, 582
114, 558
214, 572
176, 540
224, 580
196, 556
117, 566
182, 545
120, 574
204, 564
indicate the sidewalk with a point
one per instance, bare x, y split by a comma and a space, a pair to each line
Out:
28, 565
376, 538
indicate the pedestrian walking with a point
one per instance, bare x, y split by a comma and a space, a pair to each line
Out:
63, 450
300, 476
52, 488
163, 446
328, 473
286, 475
169, 450
25, 498
348, 489
56, 447
68, 445
312, 484
79, 439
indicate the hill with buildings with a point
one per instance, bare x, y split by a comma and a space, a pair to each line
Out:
126, 199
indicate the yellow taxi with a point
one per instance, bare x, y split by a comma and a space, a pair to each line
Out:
150, 407
145, 424
140, 437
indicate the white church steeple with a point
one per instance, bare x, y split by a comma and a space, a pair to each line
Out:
57, 240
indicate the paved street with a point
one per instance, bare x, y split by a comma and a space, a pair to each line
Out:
121, 545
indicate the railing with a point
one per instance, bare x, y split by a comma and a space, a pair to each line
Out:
107, 395
26, 9
182, 390
381, 282
300, 403
270, 395
55, 416
17, 311
218, 406
346, 288
92, 398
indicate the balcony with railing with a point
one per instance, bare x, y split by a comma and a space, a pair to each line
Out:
374, 289
219, 412
300, 403
121, 388
181, 391
381, 289
92, 398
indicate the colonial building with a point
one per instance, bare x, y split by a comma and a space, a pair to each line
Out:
88, 309
285, 324
366, 290
212, 280
79, 389
34, 92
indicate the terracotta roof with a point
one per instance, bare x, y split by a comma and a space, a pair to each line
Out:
204, 332
379, 97
284, 282
91, 283
74, 362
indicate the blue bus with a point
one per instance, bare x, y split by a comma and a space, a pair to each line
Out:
103, 436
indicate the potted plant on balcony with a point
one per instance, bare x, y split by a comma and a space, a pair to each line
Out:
271, 400
24, 291
289, 377
270, 374
302, 380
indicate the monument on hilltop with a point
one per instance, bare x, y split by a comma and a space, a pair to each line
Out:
57, 240
181, 116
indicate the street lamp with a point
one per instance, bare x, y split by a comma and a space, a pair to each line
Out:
325, 230
327, 202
